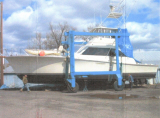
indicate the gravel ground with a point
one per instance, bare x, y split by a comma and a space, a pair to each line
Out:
140, 102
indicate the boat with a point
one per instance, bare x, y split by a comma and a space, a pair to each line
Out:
96, 55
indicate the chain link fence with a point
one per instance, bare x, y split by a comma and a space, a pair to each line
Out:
149, 57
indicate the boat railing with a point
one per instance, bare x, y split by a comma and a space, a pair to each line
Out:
14, 52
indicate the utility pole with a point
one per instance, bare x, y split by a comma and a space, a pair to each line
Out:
1, 44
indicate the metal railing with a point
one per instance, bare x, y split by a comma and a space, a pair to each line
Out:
14, 52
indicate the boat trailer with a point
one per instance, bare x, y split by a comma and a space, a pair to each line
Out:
70, 78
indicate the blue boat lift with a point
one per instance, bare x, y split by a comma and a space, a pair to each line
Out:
70, 42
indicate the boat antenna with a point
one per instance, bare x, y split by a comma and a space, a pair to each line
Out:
101, 20
94, 18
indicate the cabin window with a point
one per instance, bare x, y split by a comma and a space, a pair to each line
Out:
96, 51
101, 52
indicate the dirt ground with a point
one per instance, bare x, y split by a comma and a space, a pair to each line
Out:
140, 102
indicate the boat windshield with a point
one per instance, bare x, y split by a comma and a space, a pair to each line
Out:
96, 51
101, 51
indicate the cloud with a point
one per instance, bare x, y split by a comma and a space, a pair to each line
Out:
18, 27
26, 17
13, 5
144, 35
20, 17
67, 10
148, 7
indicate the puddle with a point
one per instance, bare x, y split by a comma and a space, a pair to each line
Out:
114, 96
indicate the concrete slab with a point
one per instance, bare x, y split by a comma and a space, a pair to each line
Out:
89, 104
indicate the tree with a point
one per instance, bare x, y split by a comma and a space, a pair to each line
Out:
57, 32
53, 38
36, 43
49, 43
39, 40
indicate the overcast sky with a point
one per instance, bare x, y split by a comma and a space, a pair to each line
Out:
23, 18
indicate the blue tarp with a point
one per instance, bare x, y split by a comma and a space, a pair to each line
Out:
125, 44
4, 86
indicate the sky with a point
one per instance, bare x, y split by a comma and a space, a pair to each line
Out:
23, 18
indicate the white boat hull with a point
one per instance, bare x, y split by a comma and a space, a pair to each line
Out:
49, 65
56, 65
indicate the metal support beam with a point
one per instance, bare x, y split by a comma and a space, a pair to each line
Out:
71, 43
118, 73
96, 73
72, 60
85, 85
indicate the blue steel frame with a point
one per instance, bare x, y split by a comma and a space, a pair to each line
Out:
70, 42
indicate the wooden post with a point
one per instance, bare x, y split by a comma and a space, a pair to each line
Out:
1, 44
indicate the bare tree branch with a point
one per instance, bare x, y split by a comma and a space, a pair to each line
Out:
53, 38
57, 32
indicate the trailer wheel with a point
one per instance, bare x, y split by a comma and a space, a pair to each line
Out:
71, 89
118, 88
